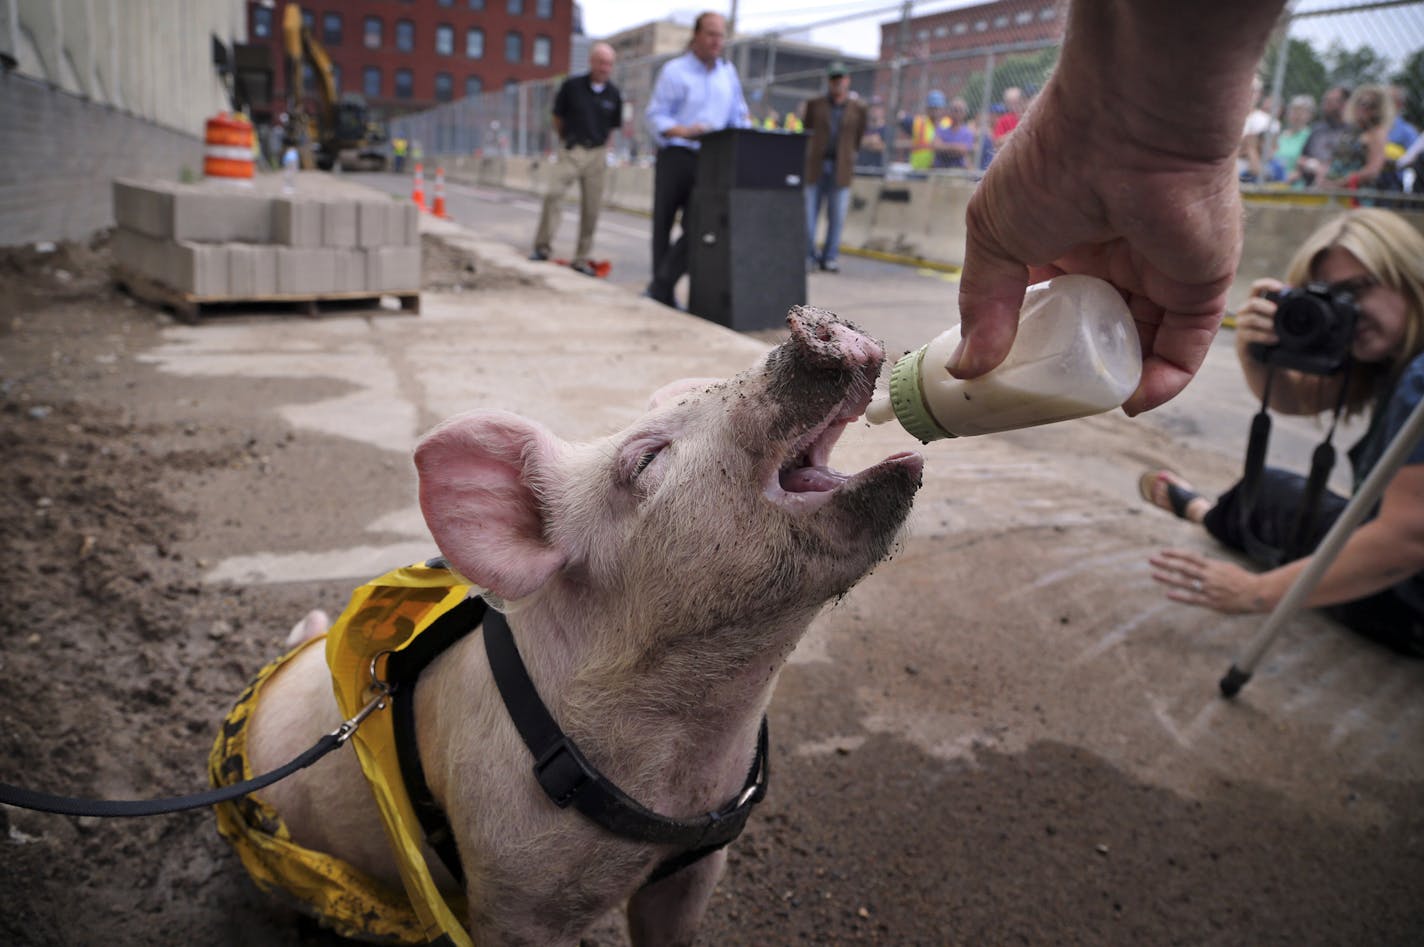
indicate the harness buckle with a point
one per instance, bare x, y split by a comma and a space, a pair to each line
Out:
563, 773
381, 690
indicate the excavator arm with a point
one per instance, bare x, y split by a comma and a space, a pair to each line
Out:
303, 48
340, 125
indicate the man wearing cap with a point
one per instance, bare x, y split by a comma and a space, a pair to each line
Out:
587, 110
925, 132
836, 124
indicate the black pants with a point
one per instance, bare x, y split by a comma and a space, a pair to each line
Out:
1384, 616
674, 176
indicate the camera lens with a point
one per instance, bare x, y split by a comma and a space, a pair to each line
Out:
1303, 321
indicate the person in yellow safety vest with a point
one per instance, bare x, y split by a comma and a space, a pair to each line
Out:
923, 130
772, 121
793, 122
399, 146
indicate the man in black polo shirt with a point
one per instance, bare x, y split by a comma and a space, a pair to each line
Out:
587, 109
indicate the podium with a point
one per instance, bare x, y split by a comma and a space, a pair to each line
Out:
746, 250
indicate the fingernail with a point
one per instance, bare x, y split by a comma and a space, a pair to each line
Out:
961, 352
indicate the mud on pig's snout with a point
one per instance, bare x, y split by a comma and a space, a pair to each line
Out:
823, 338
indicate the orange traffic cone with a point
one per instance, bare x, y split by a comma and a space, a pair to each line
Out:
439, 210
418, 194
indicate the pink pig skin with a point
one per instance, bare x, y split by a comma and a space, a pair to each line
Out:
656, 581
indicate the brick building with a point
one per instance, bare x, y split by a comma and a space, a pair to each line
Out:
946, 50
408, 55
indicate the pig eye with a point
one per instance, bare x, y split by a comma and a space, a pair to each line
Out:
644, 460
637, 457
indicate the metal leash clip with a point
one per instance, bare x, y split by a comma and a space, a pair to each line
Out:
382, 691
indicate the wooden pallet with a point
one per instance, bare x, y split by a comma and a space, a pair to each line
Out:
192, 307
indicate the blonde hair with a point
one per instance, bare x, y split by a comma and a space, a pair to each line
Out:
1375, 95
1392, 252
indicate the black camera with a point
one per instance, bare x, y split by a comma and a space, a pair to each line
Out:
1315, 326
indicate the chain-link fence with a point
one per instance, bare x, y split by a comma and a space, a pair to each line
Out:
947, 83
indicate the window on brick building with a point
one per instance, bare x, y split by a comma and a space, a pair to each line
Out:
444, 40
405, 84
543, 50
1047, 13
477, 4
331, 29
444, 87
544, 9
961, 28
405, 36
445, 3
474, 85
981, 25
309, 20
308, 78
371, 35
1022, 17
513, 47
371, 82
514, 7
511, 88
475, 43
1000, 22
261, 23
336, 77
941, 32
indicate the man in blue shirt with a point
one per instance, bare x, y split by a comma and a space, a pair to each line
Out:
695, 93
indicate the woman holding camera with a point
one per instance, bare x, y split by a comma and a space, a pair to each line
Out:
1376, 584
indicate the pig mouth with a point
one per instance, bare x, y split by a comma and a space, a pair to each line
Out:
804, 482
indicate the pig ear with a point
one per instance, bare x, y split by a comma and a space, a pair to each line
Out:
479, 476
674, 389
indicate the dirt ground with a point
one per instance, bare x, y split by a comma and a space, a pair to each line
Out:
119, 661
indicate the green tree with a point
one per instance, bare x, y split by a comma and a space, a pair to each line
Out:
1411, 77
1028, 71
1305, 73
1355, 67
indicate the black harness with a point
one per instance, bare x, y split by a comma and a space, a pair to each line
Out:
565, 775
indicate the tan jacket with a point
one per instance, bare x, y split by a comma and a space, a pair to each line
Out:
818, 127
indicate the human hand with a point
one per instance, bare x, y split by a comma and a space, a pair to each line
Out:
1194, 579
1256, 319
1124, 168
1162, 228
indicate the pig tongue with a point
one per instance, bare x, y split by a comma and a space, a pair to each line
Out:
811, 480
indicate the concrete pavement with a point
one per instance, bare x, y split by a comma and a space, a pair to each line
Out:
1022, 580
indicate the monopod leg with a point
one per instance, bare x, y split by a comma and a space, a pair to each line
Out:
1360, 504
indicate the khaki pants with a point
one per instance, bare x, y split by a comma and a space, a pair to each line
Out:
589, 166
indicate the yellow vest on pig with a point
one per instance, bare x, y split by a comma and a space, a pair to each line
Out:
384, 616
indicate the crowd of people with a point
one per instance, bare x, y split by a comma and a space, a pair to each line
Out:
1354, 139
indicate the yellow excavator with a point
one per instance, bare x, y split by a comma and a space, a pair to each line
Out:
340, 133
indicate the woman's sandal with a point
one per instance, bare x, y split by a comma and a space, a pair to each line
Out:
1179, 495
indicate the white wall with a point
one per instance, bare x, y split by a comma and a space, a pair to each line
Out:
151, 58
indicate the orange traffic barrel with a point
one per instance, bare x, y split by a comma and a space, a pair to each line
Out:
227, 148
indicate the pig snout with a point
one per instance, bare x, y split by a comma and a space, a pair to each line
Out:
825, 339
821, 380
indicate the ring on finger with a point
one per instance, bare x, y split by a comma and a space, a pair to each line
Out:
1196, 585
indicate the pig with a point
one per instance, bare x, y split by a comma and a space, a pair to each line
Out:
655, 581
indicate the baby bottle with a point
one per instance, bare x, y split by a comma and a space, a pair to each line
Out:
1076, 353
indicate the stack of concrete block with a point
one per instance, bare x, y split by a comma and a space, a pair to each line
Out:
219, 241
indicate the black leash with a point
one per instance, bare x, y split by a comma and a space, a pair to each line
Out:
118, 808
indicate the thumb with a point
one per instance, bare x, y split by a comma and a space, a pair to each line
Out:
991, 293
